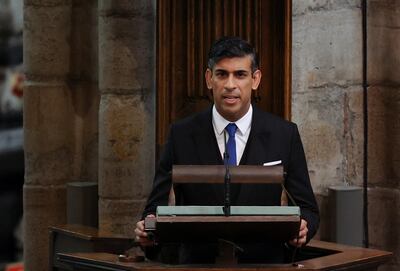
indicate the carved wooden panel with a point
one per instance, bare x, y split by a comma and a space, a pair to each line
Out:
185, 31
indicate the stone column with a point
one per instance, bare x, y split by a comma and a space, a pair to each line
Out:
83, 82
61, 104
48, 126
327, 93
384, 127
126, 115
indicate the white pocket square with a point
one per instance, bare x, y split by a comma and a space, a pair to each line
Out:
273, 163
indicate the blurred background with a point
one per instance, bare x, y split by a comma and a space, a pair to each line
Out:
11, 135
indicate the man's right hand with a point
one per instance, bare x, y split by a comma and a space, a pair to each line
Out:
141, 235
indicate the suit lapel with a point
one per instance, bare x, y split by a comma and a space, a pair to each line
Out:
205, 142
255, 152
257, 144
207, 148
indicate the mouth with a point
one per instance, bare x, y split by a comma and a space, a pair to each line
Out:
230, 99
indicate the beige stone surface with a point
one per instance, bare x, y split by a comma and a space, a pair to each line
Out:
85, 101
124, 161
126, 47
331, 126
120, 215
326, 50
126, 113
383, 136
301, 7
127, 7
48, 133
46, 47
43, 207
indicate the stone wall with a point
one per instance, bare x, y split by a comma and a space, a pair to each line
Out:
384, 126
89, 104
327, 103
89, 109
126, 116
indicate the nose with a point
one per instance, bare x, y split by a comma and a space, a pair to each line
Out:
230, 83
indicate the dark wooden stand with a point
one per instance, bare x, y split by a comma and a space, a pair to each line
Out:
342, 258
77, 238
233, 228
83, 248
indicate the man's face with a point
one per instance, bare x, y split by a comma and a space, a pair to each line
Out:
232, 81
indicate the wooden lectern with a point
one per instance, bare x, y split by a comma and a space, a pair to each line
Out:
87, 250
316, 256
211, 223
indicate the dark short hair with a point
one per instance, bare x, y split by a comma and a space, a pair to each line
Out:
229, 47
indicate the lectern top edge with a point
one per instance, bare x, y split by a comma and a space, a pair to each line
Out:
250, 174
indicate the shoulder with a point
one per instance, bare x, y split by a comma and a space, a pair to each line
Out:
265, 120
193, 122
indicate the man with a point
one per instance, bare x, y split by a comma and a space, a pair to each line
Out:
259, 137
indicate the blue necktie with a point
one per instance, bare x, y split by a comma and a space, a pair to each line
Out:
231, 144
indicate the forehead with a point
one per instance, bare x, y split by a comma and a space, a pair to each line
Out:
234, 64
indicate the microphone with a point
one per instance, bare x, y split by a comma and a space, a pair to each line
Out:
227, 182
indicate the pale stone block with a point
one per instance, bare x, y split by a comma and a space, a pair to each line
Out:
120, 216
125, 159
301, 7
384, 220
43, 207
383, 136
320, 117
354, 135
48, 133
126, 53
127, 7
331, 126
46, 47
327, 50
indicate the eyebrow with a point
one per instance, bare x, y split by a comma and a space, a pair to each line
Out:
222, 70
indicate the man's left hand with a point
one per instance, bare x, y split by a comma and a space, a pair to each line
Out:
302, 238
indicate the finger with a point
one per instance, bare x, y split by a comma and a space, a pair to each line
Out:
140, 233
303, 232
303, 224
140, 225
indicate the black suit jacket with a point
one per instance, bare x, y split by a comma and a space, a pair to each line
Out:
192, 142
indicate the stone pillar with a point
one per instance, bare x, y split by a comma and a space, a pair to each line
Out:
83, 82
327, 93
126, 115
61, 104
48, 126
384, 127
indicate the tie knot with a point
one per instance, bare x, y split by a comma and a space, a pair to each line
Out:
231, 129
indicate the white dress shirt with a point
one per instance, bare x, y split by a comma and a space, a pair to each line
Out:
242, 133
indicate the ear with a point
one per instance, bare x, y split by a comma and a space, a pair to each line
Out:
256, 79
208, 76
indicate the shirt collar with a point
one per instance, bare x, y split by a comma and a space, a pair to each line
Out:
243, 123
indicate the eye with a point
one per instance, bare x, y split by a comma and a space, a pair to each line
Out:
220, 74
241, 74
